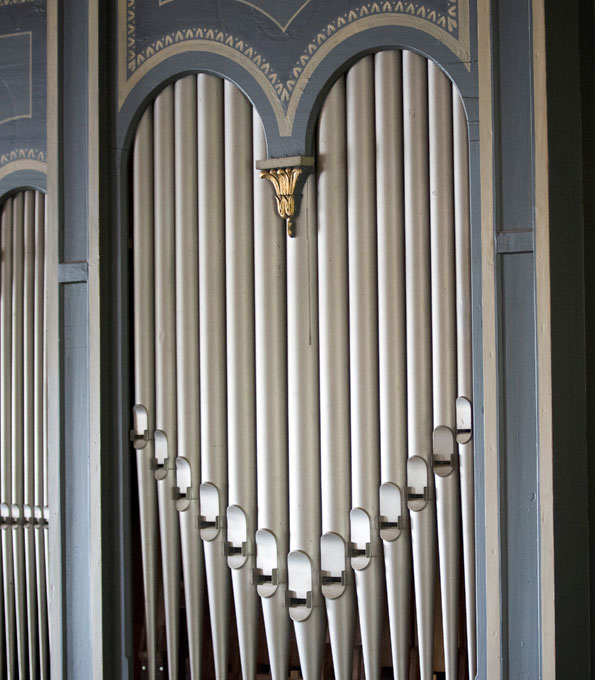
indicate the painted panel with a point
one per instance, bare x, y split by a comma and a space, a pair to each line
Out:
279, 42
22, 85
15, 76
518, 470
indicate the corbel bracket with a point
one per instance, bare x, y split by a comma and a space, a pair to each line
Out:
288, 176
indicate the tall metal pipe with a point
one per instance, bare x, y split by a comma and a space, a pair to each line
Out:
444, 357
395, 527
303, 562
241, 410
213, 416
144, 371
363, 338
187, 366
464, 366
17, 427
337, 577
38, 431
420, 486
271, 416
165, 366
28, 427
7, 226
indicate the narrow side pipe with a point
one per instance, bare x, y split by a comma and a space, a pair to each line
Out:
335, 431
304, 595
213, 415
38, 431
7, 227
165, 366
144, 370
17, 427
395, 527
464, 363
363, 338
270, 275
241, 431
30, 220
420, 485
187, 365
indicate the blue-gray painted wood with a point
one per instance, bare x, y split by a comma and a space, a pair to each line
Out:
23, 76
515, 241
74, 127
73, 272
518, 469
22, 179
513, 55
282, 51
74, 342
75, 480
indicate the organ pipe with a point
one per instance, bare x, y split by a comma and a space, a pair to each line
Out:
310, 392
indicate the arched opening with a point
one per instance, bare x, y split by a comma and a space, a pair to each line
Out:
302, 406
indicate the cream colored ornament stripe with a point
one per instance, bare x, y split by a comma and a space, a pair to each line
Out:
490, 368
544, 350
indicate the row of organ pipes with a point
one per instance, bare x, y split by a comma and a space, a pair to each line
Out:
302, 418
24, 635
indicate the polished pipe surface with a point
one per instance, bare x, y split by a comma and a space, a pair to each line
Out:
333, 314
444, 350
29, 424
392, 347
165, 364
419, 348
17, 427
187, 350
144, 366
270, 276
241, 415
464, 363
213, 397
363, 347
6, 273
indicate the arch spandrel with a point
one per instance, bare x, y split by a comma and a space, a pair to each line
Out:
242, 42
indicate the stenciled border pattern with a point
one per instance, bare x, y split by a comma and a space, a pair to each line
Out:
22, 155
448, 22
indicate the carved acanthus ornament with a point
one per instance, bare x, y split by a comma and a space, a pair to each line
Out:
287, 175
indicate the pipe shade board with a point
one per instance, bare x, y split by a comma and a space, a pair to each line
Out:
23, 459
302, 416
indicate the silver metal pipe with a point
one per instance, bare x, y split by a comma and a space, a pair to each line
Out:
420, 486
17, 428
187, 368
241, 430
165, 367
7, 227
363, 337
395, 527
38, 430
144, 371
303, 562
213, 490
444, 357
28, 426
271, 415
337, 577
464, 365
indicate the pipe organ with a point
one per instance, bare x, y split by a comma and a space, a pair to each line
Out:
302, 418
24, 635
